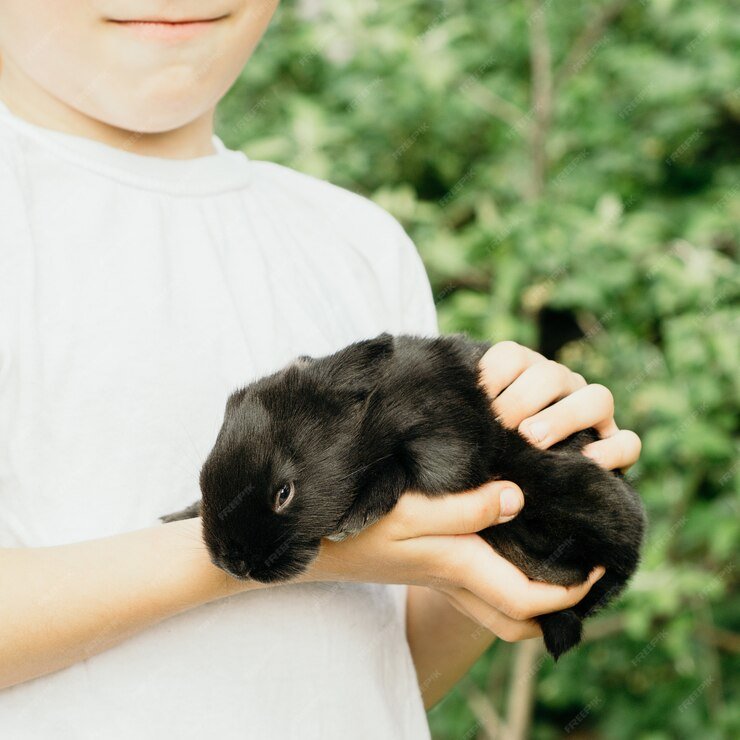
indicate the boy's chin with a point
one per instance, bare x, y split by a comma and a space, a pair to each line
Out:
155, 119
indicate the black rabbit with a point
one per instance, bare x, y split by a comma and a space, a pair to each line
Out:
326, 446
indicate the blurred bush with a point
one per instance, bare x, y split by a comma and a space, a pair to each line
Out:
570, 174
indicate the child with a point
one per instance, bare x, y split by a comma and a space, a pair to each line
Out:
145, 272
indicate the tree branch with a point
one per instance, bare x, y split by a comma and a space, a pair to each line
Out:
592, 32
723, 639
495, 105
541, 62
603, 627
521, 693
482, 709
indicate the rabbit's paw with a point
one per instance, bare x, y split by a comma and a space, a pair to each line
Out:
190, 512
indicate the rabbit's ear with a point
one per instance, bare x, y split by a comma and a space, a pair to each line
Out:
234, 399
301, 361
356, 368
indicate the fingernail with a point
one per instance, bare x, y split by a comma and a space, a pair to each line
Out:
538, 431
510, 503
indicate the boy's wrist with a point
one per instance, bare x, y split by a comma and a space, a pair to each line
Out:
209, 580
328, 565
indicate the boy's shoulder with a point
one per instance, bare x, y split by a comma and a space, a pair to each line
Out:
355, 222
340, 206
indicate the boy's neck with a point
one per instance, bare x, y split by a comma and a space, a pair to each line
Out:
27, 100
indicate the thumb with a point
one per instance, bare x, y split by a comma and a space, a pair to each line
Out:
467, 512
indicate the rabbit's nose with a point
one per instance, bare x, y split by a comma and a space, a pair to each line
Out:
234, 566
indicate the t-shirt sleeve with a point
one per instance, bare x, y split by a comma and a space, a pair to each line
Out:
418, 309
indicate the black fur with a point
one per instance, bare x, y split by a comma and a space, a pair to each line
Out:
357, 428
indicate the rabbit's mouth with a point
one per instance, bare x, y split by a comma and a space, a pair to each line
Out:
282, 564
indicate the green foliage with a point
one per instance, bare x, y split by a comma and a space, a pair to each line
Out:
618, 256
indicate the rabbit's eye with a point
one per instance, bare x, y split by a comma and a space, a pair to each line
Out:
283, 496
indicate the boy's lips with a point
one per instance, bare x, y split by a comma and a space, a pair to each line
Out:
166, 29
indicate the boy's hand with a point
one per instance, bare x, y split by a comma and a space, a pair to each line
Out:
521, 383
431, 541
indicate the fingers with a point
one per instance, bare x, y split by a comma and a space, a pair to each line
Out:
503, 363
620, 450
500, 584
538, 386
502, 626
417, 514
523, 384
588, 406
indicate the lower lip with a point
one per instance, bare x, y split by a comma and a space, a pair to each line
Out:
167, 31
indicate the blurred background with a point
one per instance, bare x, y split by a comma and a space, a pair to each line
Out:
570, 172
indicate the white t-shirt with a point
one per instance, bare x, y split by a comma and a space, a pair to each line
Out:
135, 294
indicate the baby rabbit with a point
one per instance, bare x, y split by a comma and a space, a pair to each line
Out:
326, 446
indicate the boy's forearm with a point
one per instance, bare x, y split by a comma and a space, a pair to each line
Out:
444, 642
59, 605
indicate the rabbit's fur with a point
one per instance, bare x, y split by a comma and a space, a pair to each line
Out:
355, 429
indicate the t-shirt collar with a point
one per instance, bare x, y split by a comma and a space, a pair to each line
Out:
226, 169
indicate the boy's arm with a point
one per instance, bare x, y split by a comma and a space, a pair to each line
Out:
62, 604
444, 642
